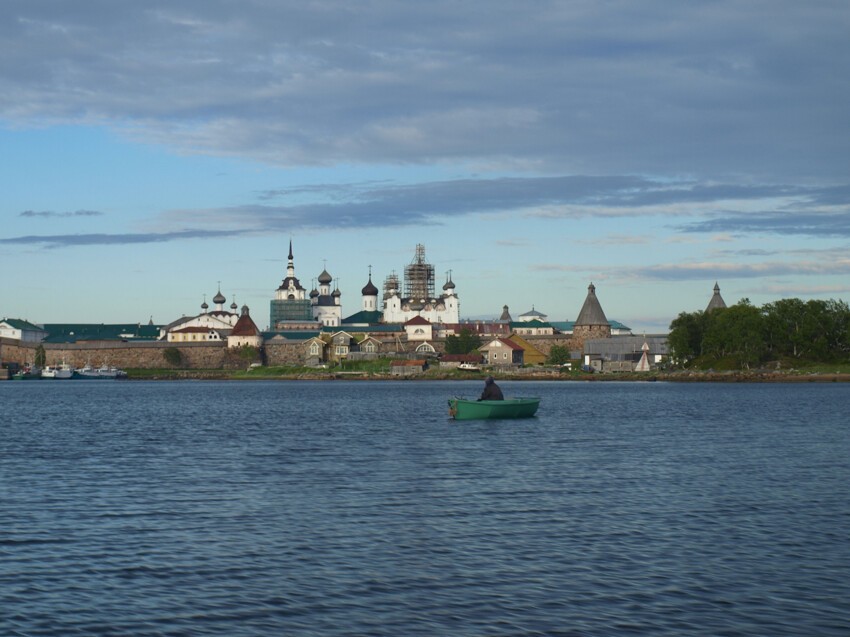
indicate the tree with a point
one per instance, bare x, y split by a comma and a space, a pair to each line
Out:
40, 356
736, 331
784, 328
463, 343
838, 328
558, 355
686, 335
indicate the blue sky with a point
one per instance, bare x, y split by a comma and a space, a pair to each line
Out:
149, 151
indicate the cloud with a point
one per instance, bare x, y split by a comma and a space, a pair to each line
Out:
49, 214
63, 241
704, 270
727, 270
798, 290
709, 89
387, 204
817, 224
380, 203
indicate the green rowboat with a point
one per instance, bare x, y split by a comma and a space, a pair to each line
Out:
463, 409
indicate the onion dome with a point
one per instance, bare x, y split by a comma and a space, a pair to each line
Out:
325, 278
369, 289
219, 299
314, 293
204, 306
449, 285
336, 293
233, 305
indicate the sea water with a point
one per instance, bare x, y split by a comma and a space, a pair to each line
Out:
359, 508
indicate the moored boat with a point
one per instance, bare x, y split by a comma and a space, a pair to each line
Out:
61, 371
96, 373
105, 371
464, 409
29, 372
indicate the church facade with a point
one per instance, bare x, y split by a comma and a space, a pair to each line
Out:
293, 308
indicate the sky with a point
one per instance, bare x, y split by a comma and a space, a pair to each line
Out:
152, 153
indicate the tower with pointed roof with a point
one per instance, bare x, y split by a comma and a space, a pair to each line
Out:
716, 301
245, 332
290, 307
591, 321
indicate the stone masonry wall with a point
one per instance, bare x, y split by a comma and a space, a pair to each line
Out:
582, 333
149, 355
124, 355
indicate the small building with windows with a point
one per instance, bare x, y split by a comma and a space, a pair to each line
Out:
419, 329
531, 355
502, 352
341, 344
534, 327
196, 334
408, 367
315, 351
20, 330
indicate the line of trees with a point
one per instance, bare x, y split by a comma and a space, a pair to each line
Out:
786, 329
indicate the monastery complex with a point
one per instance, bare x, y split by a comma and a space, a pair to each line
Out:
407, 319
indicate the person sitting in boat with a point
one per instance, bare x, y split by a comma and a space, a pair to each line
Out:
491, 390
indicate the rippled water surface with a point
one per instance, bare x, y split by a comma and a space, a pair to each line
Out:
359, 508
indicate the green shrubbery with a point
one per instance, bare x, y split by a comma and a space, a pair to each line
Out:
742, 336
172, 356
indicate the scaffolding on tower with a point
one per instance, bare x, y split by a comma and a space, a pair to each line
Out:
390, 285
419, 277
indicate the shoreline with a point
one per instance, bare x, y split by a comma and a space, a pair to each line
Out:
674, 377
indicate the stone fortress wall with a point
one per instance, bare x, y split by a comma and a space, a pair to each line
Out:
214, 355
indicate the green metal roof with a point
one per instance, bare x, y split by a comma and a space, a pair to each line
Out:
20, 324
567, 326
531, 323
73, 332
382, 328
364, 316
292, 335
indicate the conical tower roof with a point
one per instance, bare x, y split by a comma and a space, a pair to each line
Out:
245, 326
716, 301
591, 312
